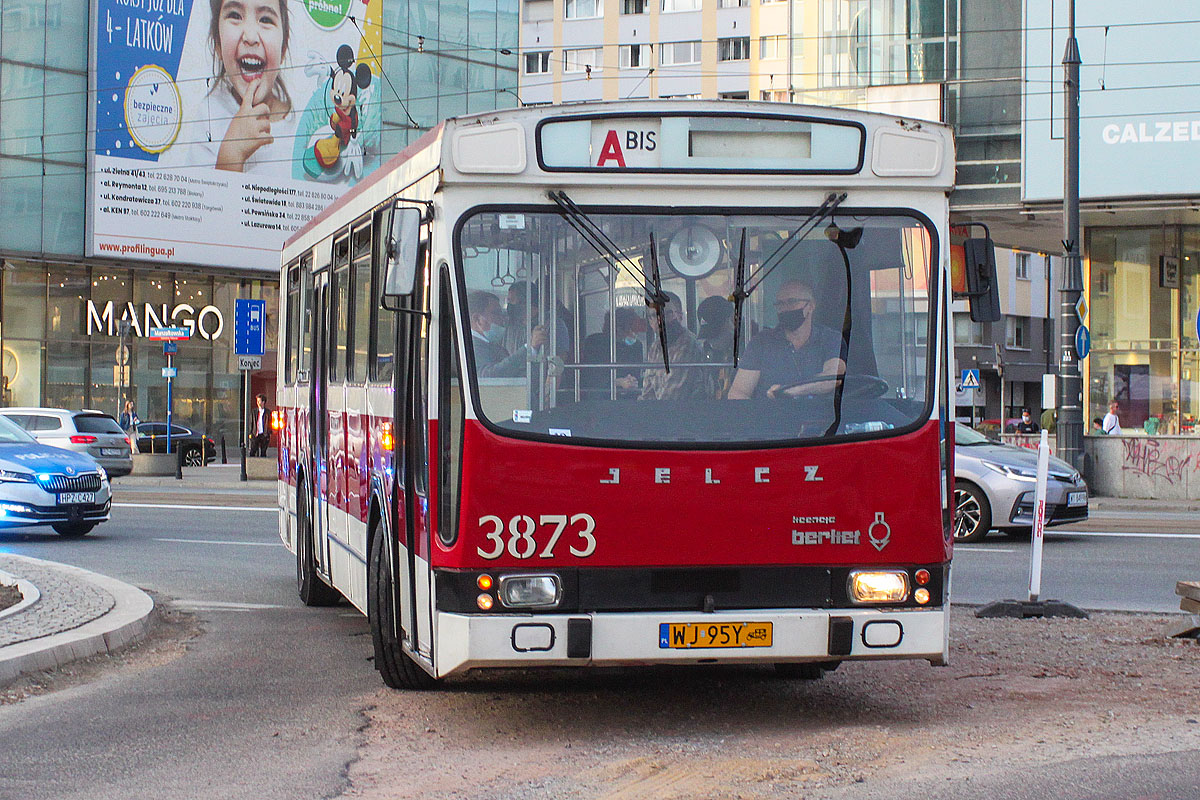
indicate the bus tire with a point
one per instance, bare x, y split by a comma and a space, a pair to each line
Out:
802, 672
311, 587
396, 667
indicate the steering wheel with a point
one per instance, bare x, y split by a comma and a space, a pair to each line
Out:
856, 386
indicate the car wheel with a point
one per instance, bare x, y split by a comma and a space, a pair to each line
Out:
396, 667
73, 530
805, 672
972, 514
311, 587
192, 457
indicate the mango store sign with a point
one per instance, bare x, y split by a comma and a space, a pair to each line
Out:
207, 322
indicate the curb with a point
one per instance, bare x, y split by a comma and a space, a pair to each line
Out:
126, 622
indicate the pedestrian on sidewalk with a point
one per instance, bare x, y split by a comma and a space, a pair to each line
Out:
260, 427
129, 421
1027, 425
1111, 424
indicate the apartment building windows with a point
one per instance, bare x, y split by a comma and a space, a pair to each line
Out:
732, 3
633, 56
1022, 266
736, 48
773, 95
967, 332
537, 63
634, 6
772, 47
676, 53
1017, 335
583, 9
582, 59
680, 5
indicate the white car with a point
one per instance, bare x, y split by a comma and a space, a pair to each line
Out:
43, 485
87, 431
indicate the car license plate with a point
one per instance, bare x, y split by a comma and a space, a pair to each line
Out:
1077, 499
113, 451
689, 635
76, 498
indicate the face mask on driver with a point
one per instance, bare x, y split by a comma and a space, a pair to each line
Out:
630, 340
792, 319
494, 334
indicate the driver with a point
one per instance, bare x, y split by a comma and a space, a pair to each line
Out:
796, 357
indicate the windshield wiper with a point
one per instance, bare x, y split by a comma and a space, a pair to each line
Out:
738, 297
785, 248
845, 240
657, 299
607, 249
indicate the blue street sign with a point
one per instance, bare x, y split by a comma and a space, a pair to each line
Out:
249, 327
170, 347
1083, 342
970, 379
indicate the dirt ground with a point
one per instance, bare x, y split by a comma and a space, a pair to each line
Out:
1017, 692
9, 596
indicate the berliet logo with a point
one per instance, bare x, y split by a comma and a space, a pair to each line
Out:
208, 322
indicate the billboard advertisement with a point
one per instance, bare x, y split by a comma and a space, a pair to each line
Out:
222, 126
1139, 106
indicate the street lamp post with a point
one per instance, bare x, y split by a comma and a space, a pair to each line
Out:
1070, 383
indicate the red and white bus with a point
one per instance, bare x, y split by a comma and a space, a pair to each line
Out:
484, 449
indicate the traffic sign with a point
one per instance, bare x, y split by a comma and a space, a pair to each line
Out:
121, 375
1083, 342
170, 347
169, 372
122, 355
970, 379
170, 334
249, 362
1081, 309
249, 327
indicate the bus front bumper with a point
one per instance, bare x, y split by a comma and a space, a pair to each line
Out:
467, 641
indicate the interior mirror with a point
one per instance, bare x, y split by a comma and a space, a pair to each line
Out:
983, 293
403, 239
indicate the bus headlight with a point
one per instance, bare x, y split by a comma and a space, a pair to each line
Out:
529, 591
878, 586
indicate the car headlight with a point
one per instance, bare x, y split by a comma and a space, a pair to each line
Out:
529, 591
103, 472
1015, 473
878, 586
9, 476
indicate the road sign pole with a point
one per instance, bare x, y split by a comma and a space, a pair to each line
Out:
169, 379
1039, 518
244, 427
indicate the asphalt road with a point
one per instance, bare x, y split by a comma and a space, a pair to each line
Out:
1117, 561
265, 704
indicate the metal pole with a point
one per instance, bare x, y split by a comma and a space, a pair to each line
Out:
1070, 384
169, 379
243, 426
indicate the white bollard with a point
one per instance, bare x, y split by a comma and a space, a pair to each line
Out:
1039, 519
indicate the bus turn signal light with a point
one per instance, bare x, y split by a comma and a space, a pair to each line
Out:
484, 601
921, 596
386, 439
883, 586
484, 582
276, 420
922, 576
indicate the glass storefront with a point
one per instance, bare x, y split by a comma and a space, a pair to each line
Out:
60, 338
1144, 294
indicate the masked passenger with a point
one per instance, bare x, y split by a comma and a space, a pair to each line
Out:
682, 383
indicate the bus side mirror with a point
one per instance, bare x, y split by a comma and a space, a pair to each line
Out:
403, 239
983, 293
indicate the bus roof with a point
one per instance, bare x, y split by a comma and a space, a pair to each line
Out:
539, 143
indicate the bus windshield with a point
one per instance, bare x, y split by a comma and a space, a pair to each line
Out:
832, 334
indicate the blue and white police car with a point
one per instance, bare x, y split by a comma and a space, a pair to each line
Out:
43, 485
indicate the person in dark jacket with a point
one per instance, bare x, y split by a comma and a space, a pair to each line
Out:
260, 427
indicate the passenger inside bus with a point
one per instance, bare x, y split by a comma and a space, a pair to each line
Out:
623, 348
690, 377
796, 357
492, 360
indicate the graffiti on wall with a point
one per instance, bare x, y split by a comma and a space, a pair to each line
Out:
1155, 459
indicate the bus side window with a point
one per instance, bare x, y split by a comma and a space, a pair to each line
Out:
304, 318
383, 332
339, 309
356, 371
450, 413
293, 329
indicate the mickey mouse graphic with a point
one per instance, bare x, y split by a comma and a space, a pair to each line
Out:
344, 86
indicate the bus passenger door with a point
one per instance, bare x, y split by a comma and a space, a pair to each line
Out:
318, 421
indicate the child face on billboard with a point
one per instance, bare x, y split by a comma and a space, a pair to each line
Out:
251, 43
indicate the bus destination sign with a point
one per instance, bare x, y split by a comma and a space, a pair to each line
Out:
700, 143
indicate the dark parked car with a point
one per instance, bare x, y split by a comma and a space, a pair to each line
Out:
152, 438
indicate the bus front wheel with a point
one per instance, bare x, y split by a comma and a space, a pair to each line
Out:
310, 585
398, 669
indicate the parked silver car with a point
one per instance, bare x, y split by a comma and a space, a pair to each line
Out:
994, 488
92, 432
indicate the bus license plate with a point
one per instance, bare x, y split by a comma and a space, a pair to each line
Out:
1077, 499
76, 498
689, 635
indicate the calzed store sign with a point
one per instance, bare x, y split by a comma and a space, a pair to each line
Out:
208, 323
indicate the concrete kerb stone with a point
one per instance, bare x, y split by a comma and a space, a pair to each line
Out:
126, 621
